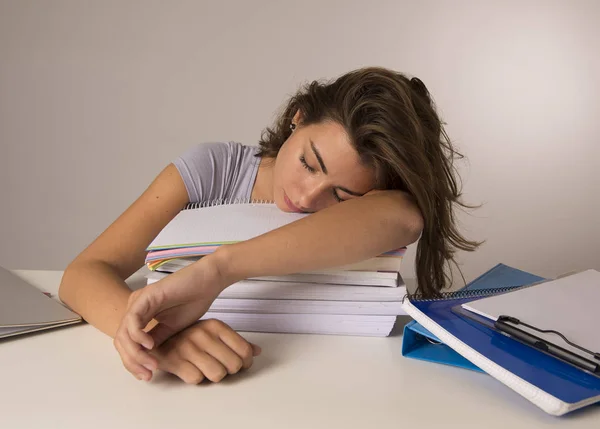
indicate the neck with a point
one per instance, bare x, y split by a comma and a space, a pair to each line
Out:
263, 185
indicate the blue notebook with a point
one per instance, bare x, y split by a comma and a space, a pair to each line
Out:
419, 343
554, 386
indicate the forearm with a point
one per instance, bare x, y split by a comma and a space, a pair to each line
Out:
342, 234
95, 291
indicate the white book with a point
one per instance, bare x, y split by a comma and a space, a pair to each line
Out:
298, 306
254, 289
378, 264
332, 276
358, 278
327, 324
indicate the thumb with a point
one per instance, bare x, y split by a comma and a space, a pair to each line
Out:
256, 350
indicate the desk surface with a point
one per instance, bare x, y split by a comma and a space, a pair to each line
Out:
73, 378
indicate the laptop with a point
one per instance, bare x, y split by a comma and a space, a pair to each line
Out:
24, 308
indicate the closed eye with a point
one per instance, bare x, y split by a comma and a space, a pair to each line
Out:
314, 170
305, 165
337, 197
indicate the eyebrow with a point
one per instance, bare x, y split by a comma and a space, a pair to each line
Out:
322, 164
318, 155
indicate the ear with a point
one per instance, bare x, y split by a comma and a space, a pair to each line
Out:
297, 117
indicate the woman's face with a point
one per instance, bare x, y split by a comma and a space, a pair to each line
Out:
317, 167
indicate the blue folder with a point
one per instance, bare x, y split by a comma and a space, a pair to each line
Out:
551, 384
419, 343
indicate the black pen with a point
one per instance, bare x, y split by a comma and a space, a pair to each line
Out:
545, 346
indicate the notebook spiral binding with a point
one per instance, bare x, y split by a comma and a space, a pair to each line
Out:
224, 201
469, 293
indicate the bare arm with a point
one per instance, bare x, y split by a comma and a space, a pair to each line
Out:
357, 229
94, 283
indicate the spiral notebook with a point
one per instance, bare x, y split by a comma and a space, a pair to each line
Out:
200, 228
419, 343
553, 385
220, 222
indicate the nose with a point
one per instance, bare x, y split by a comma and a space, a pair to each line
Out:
310, 197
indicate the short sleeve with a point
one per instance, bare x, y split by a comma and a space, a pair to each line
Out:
217, 171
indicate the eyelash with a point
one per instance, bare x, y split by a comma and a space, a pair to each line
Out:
305, 165
312, 170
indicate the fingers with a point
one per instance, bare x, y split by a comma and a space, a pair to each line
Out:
237, 343
143, 305
129, 339
130, 336
193, 365
227, 357
210, 349
139, 336
186, 371
136, 360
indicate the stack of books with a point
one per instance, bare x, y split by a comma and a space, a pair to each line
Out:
358, 299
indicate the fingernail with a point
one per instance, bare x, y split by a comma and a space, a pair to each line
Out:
147, 346
148, 367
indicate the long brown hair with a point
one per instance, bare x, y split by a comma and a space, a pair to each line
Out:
393, 124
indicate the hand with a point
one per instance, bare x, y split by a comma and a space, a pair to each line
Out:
208, 349
175, 302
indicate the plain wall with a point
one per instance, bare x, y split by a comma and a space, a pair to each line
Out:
97, 97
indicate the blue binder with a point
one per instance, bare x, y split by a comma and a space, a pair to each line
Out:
419, 343
553, 385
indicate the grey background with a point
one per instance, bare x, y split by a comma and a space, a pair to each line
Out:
96, 97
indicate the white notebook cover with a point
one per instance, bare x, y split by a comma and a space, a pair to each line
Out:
24, 308
568, 305
220, 224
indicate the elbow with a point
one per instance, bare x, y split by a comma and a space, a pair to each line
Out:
70, 283
414, 229
411, 224
405, 218
65, 288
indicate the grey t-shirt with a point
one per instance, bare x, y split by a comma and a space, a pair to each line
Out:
218, 171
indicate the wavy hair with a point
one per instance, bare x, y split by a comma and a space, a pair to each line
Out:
392, 123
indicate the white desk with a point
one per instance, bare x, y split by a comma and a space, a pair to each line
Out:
73, 378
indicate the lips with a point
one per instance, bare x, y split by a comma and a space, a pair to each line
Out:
290, 205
